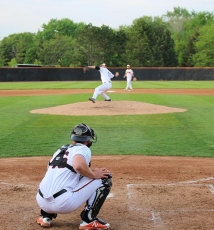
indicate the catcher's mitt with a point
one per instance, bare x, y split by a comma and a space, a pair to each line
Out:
85, 69
134, 79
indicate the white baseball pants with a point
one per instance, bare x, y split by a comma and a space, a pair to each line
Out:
102, 89
72, 199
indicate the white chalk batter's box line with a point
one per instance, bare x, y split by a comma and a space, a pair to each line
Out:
155, 215
131, 186
181, 183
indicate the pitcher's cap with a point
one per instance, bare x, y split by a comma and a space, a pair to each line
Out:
128, 65
103, 64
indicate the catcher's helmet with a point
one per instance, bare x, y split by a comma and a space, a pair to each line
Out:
82, 133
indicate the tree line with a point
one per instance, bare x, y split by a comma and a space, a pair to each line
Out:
178, 38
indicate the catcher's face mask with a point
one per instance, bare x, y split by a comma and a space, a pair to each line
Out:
83, 133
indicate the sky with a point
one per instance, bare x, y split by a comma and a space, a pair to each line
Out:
18, 16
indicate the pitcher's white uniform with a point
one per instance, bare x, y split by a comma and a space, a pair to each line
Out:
79, 189
129, 74
106, 77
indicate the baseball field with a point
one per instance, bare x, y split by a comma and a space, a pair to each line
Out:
157, 140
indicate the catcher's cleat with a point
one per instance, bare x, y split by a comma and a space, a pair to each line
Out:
91, 99
103, 222
108, 100
44, 222
95, 225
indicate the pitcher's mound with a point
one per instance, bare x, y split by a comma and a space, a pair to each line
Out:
107, 108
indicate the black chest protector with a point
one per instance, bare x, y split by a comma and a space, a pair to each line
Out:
60, 161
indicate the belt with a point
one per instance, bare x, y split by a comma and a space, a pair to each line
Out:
106, 82
54, 195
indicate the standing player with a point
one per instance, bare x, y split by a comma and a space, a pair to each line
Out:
70, 182
106, 77
129, 74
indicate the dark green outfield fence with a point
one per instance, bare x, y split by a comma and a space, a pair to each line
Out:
76, 74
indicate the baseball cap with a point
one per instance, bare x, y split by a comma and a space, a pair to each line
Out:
128, 65
103, 64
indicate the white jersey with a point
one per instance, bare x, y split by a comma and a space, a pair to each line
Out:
57, 178
105, 75
129, 73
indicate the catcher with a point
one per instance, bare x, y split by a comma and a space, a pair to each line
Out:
70, 182
129, 75
106, 77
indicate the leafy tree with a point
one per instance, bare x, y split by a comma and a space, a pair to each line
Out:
12, 63
149, 43
99, 44
169, 55
65, 27
190, 50
118, 58
88, 48
37, 62
176, 19
161, 43
178, 38
53, 51
184, 27
33, 52
138, 52
24, 43
53, 30
204, 55
16, 46
1, 61
105, 44
192, 28
7, 49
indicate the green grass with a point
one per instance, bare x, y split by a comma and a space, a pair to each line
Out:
116, 84
177, 134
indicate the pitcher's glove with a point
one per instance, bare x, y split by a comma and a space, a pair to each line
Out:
134, 79
85, 69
